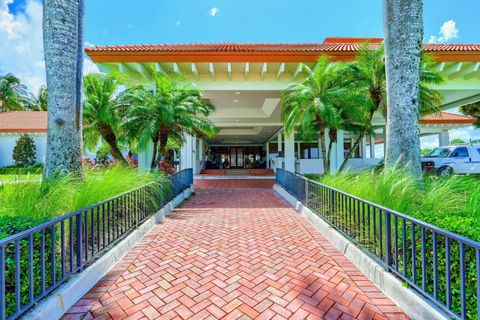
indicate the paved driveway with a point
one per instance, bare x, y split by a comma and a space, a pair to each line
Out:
235, 253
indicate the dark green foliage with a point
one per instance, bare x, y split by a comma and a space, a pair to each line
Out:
472, 110
24, 152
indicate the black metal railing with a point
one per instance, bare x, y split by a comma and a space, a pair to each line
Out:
36, 261
442, 266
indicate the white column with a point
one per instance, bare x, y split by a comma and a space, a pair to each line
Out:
372, 146
364, 147
201, 155
279, 141
145, 153
444, 138
338, 153
267, 152
187, 152
290, 152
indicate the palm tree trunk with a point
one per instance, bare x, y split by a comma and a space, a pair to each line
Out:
111, 139
154, 163
403, 25
326, 162
351, 151
62, 32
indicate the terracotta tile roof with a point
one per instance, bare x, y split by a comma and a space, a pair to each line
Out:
329, 45
447, 118
23, 121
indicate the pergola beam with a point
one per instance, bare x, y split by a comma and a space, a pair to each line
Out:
211, 69
453, 70
281, 70
472, 71
247, 70
176, 69
229, 70
298, 70
264, 71
195, 71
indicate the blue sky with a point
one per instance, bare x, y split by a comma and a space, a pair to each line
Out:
110, 22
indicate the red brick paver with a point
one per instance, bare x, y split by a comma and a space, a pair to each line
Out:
234, 254
234, 183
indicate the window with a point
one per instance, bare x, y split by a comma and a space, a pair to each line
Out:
461, 152
478, 150
439, 152
309, 151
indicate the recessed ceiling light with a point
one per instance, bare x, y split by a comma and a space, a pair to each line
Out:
238, 92
236, 120
235, 101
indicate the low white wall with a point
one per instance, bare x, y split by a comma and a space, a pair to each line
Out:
8, 141
314, 166
358, 164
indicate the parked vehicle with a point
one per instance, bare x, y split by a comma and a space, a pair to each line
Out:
445, 161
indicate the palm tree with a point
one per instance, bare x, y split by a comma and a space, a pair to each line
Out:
473, 110
13, 94
167, 112
63, 45
321, 103
403, 24
39, 102
367, 73
101, 113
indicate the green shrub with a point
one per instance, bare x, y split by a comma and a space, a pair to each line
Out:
35, 169
24, 152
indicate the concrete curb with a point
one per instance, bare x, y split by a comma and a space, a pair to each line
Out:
55, 305
406, 299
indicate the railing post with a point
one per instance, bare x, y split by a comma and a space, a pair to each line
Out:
388, 239
79, 231
332, 201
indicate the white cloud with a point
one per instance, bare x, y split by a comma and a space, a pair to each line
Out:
178, 23
214, 11
21, 42
448, 31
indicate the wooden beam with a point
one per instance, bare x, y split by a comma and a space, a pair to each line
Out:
453, 70
247, 70
439, 67
195, 71
143, 71
281, 70
158, 67
472, 71
297, 71
229, 70
264, 71
176, 69
211, 68
121, 67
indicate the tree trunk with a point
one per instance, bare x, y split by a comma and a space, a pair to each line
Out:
153, 165
111, 139
403, 25
350, 152
63, 42
326, 162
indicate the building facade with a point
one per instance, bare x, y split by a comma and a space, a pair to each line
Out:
244, 83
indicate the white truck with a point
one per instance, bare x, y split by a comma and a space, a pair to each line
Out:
445, 161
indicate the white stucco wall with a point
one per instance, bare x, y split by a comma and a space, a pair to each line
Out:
8, 141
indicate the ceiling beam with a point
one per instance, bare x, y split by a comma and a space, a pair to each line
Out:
211, 69
142, 70
176, 69
453, 70
158, 67
439, 67
264, 71
121, 67
195, 71
472, 71
281, 70
297, 71
247, 70
229, 70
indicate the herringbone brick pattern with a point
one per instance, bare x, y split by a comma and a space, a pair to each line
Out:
234, 254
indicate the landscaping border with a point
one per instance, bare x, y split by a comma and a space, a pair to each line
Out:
408, 300
58, 303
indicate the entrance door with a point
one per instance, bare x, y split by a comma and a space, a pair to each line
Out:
236, 157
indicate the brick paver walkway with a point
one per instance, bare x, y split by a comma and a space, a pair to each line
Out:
235, 254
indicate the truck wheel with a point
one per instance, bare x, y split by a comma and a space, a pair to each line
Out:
445, 172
